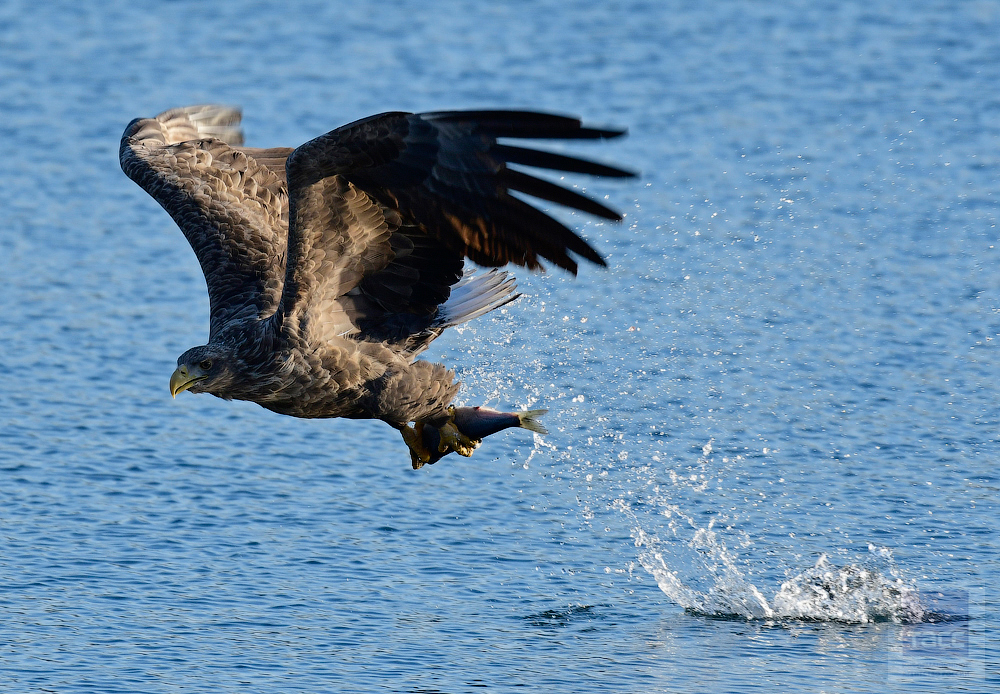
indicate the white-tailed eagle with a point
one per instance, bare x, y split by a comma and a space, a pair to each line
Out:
332, 265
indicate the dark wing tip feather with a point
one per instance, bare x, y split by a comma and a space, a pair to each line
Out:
524, 124
546, 190
601, 133
557, 162
544, 236
524, 233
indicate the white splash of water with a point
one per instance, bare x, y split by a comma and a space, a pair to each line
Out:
730, 592
851, 593
868, 591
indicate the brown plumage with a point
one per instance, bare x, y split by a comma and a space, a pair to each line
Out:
331, 266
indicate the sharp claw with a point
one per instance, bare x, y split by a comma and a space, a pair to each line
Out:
414, 439
451, 439
454, 440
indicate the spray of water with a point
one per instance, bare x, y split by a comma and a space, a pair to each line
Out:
704, 529
870, 591
713, 569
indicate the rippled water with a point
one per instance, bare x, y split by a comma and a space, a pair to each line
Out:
774, 417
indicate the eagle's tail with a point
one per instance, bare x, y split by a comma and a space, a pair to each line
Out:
475, 295
471, 297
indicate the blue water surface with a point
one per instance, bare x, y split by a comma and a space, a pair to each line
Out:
774, 417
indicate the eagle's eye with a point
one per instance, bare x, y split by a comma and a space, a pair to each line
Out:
205, 365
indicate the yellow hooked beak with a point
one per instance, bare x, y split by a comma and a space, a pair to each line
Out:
184, 377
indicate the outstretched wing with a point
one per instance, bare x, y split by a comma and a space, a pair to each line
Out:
232, 208
383, 212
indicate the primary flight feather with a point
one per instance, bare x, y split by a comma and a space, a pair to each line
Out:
332, 266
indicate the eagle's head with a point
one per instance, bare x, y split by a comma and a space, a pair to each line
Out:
205, 369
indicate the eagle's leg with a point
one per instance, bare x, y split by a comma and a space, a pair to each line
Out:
420, 455
454, 440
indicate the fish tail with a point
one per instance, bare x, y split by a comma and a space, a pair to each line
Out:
529, 420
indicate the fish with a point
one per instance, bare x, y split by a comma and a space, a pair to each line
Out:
479, 422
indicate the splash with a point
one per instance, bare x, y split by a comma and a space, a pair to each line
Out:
692, 521
731, 593
857, 593
850, 593
688, 525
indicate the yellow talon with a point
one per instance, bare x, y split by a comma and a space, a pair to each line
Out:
420, 455
454, 440
451, 439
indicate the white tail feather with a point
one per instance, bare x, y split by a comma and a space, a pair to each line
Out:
475, 295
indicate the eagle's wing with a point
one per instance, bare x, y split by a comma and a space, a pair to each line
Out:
383, 212
232, 208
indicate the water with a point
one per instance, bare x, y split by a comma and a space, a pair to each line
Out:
774, 417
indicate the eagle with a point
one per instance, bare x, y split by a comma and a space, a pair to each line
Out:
331, 266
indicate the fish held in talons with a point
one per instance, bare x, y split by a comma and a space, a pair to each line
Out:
474, 424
